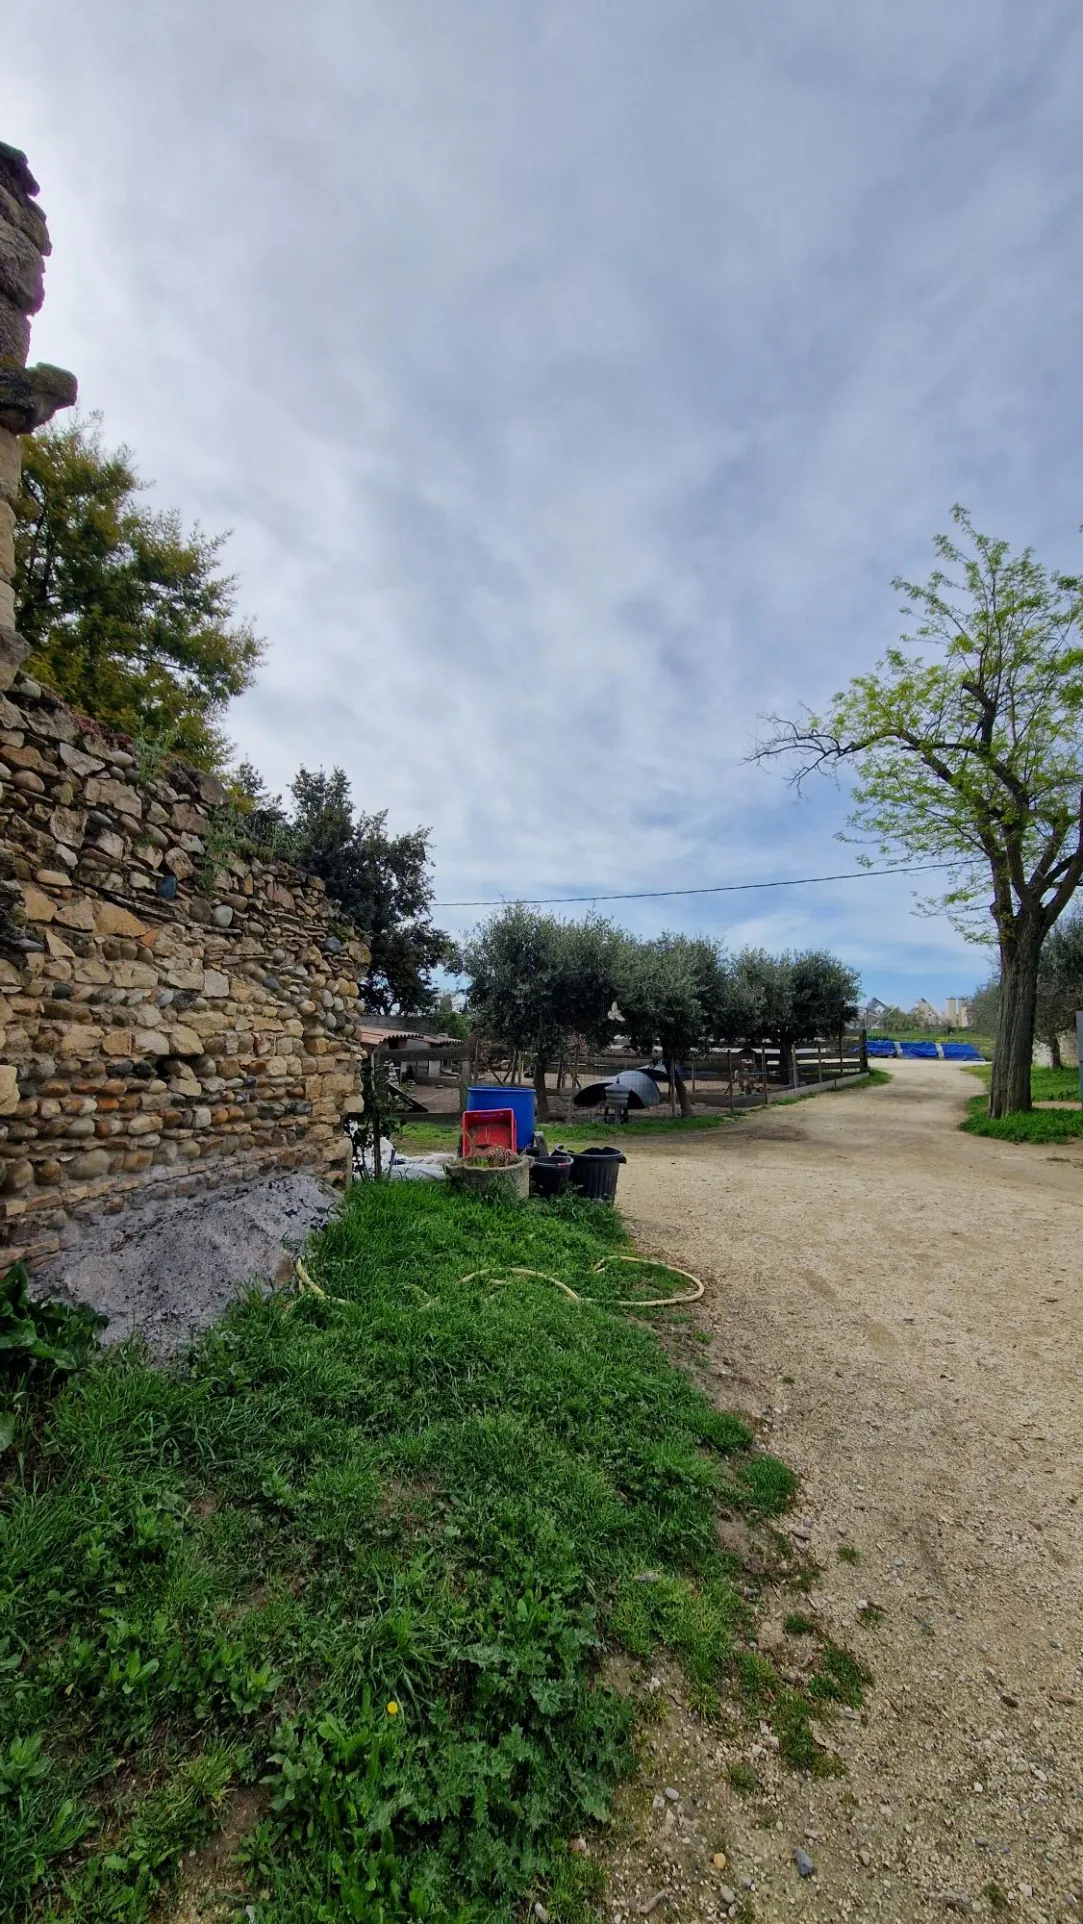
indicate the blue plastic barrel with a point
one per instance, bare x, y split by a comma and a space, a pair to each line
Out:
521, 1101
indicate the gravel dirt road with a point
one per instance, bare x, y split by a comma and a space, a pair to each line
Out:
921, 1288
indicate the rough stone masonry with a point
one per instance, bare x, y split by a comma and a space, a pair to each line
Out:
173, 1009
29, 396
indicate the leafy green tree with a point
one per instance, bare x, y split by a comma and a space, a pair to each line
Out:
967, 746
1060, 984
672, 992
1060, 989
824, 996
789, 999
453, 1022
760, 999
534, 982
893, 1021
128, 618
984, 1007
382, 882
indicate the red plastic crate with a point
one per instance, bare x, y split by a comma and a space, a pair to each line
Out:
488, 1129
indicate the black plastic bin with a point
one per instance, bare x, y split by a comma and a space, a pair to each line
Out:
549, 1174
595, 1172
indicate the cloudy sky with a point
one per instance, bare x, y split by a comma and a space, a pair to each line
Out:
575, 376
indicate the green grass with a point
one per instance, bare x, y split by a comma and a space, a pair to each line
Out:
1054, 1085
441, 1133
1046, 1085
1034, 1125
367, 1555
1031, 1125
743, 1779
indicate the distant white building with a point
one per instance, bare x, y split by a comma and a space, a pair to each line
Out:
957, 1011
925, 1013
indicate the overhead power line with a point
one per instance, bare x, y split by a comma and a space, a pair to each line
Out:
712, 888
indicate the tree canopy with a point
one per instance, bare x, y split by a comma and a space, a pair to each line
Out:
671, 998
381, 881
1060, 984
1060, 988
967, 746
536, 981
129, 618
789, 999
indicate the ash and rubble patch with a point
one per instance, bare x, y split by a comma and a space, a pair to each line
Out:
168, 1269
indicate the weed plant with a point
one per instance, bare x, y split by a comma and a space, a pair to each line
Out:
365, 1553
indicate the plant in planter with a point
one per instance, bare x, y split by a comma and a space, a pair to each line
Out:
491, 1171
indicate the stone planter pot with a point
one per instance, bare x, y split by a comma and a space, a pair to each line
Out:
475, 1179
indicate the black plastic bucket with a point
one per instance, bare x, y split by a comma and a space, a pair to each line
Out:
595, 1172
549, 1174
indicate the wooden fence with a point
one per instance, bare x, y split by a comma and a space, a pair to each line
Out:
716, 1079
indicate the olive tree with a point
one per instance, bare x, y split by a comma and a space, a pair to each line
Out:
966, 742
788, 999
534, 981
671, 993
1060, 984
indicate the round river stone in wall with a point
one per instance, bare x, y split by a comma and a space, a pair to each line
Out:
222, 915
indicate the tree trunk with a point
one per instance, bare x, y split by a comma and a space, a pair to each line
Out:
1055, 1061
1010, 1089
540, 1089
678, 1090
785, 1058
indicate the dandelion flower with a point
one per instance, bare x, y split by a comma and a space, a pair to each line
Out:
392, 1709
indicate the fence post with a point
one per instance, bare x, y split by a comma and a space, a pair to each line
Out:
763, 1062
465, 1075
863, 1050
729, 1068
819, 1061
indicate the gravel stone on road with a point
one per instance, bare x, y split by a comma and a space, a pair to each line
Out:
898, 1305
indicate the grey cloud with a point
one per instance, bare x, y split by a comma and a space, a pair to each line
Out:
574, 379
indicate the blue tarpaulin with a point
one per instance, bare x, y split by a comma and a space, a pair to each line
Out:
926, 1051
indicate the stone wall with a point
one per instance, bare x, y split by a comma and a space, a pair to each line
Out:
173, 1011
29, 396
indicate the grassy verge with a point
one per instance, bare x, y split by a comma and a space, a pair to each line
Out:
344, 1580
1035, 1125
1046, 1085
443, 1133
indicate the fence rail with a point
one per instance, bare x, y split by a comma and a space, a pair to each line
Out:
716, 1078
